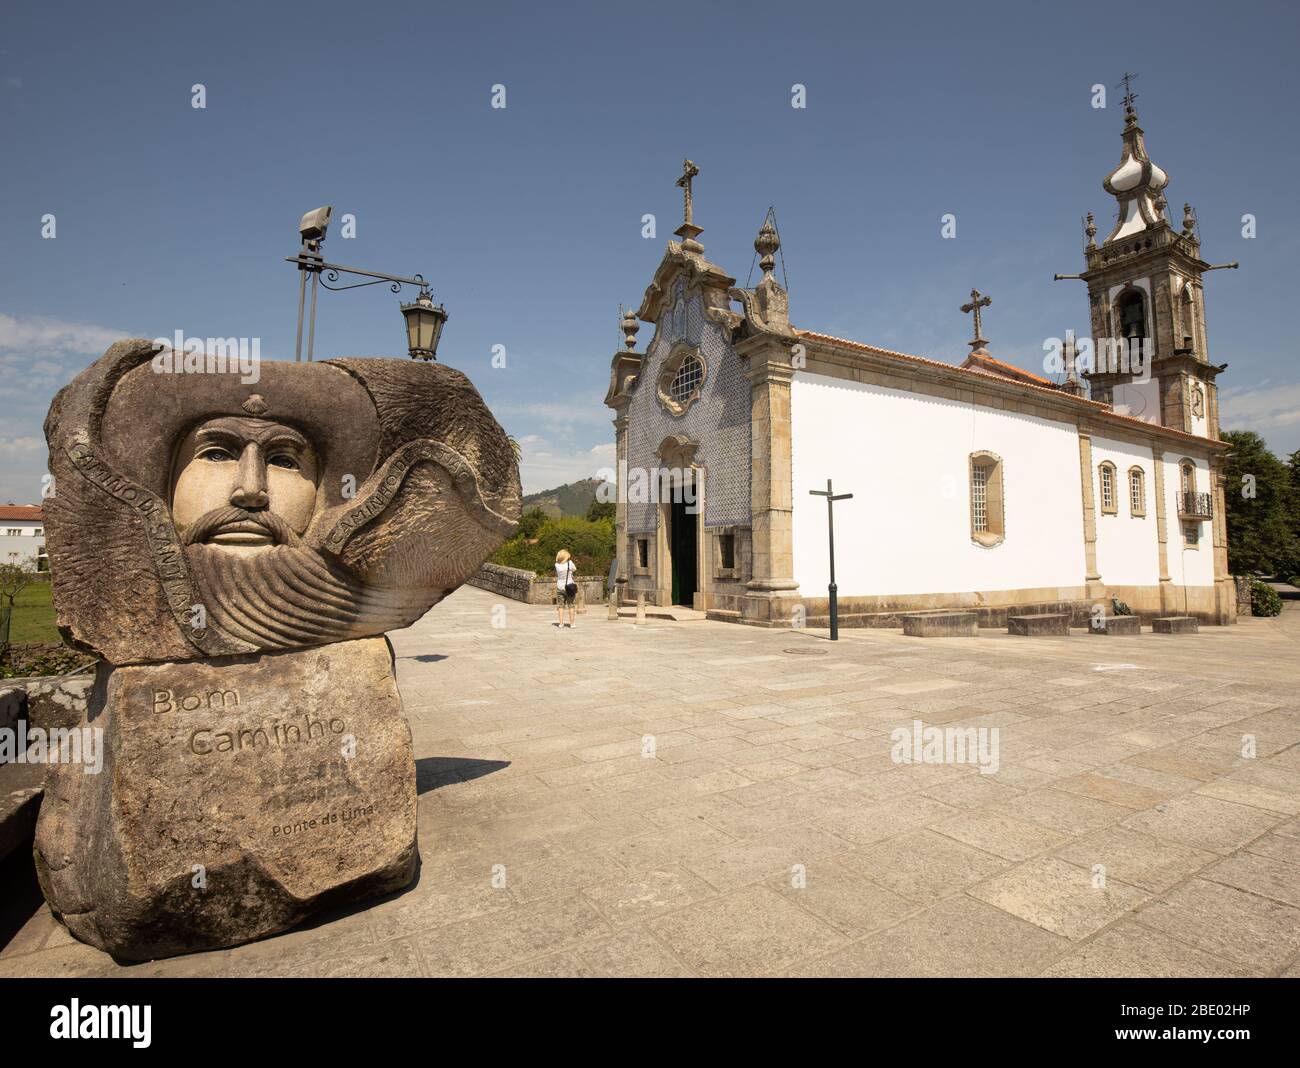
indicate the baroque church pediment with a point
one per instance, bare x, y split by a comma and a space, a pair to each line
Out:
699, 275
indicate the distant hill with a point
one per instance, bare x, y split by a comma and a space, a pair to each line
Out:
573, 498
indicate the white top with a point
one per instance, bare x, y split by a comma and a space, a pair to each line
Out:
564, 573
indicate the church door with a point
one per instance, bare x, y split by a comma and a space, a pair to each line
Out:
683, 547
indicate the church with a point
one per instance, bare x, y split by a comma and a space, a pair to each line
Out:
977, 486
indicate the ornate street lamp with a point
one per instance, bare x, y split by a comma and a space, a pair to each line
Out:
424, 322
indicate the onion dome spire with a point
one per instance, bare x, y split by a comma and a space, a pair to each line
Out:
1136, 183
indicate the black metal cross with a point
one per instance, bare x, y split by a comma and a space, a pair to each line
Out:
831, 497
1129, 95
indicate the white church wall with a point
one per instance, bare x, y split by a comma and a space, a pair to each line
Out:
1128, 552
906, 458
1187, 566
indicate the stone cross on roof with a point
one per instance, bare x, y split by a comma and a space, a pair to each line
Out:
688, 231
977, 301
689, 171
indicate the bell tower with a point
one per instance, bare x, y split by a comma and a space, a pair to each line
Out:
1150, 351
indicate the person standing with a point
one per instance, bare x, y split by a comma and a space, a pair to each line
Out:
566, 588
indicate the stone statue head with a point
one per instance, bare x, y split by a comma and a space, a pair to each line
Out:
197, 515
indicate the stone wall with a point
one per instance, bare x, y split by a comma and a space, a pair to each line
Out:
47, 703
1241, 584
520, 585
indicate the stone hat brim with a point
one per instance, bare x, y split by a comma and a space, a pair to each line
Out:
149, 411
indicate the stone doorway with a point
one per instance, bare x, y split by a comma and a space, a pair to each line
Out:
683, 536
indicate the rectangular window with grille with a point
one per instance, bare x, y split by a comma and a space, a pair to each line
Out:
642, 552
1192, 533
979, 498
987, 520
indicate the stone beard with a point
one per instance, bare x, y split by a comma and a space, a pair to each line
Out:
244, 491
288, 596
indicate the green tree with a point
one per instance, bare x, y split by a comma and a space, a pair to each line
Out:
590, 543
600, 510
14, 578
1262, 504
530, 522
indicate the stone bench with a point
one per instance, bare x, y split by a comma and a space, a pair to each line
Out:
941, 624
1174, 625
1115, 625
1038, 626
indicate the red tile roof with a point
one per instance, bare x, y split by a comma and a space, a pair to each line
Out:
21, 511
1097, 407
982, 361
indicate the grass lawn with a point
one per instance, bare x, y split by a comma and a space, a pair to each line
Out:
33, 619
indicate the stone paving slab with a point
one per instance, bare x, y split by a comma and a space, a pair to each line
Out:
696, 799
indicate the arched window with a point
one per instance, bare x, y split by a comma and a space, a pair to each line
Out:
1106, 479
1187, 476
681, 378
688, 376
987, 516
1137, 491
1132, 314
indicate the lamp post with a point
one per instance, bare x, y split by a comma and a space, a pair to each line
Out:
424, 320
424, 324
831, 498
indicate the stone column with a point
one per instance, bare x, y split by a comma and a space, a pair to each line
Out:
1162, 529
622, 543
1225, 590
772, 590
1092, 576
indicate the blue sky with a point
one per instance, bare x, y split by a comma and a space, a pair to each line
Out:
527, 219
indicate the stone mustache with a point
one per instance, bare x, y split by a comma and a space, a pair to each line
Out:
235, 552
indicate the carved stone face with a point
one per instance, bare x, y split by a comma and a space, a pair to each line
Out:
341, 500
244, 485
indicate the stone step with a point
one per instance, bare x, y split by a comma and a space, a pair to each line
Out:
941, 624
677, 613
1105, 625
1038, 626
1175, 625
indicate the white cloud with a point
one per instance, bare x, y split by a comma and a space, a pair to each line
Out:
1260, 408
544, 466
585, 413
38, 336
22, 466
10, 447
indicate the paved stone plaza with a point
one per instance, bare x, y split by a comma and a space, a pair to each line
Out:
771, 757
